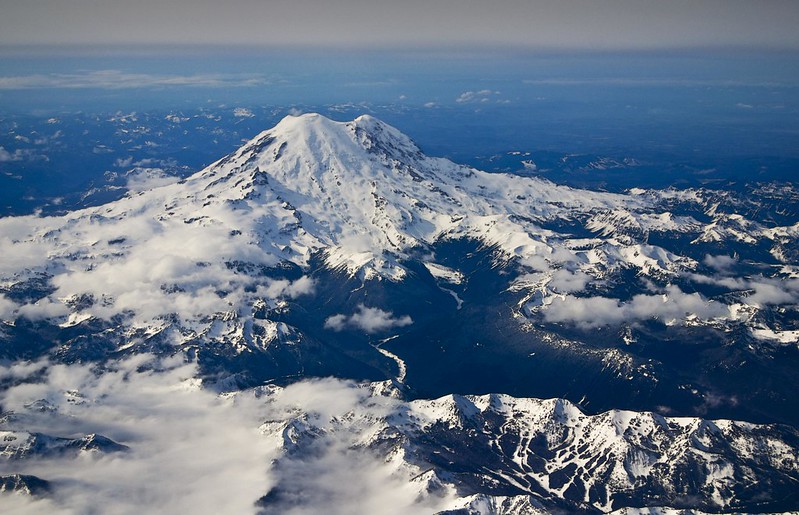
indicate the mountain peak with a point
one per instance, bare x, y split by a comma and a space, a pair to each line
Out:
305, 121
364, 193
317, 136
359, 194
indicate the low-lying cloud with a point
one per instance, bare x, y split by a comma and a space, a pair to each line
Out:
369, 320
757, 291
482, 96
20, 154
190, 450
138, 265
193, 451
592, 312
143, 179
720, 263
565, 281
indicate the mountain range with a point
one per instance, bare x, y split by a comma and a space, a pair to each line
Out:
324, 248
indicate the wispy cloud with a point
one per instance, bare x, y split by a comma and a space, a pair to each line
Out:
117, 79
648, 82
720, 263
20, 155
6, 156
757, 290
242, 112
483, 96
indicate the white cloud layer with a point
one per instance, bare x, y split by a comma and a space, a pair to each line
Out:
6, 156
19, 154
192, 451
242, 112
720, 263
757, 291
369, 320
143, 179
482, 96
144, 266
672, 305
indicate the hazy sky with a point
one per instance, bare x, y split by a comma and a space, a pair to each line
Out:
600, 24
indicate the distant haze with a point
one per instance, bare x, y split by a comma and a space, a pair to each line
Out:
568, 24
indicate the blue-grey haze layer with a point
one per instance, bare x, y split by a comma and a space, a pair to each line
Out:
716, 116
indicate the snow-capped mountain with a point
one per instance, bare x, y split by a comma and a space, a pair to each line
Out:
500, 454
24, 445
360, 192
359, 195
312, 209
326, 248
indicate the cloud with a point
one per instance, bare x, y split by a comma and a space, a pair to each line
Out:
116, 79
176, 118
146, 267
336, 322
123, 163
144, 179
322, 449
369, 320
672, 305
482, 96
6, 156
292, 289
46, 140
193, 451
21, 369
565, 281
720, 263
7, 308
759, 291
190, 450
656, 82
773, 292
20, 155
42, 309
242, 112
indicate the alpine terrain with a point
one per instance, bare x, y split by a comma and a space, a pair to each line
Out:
499, 343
